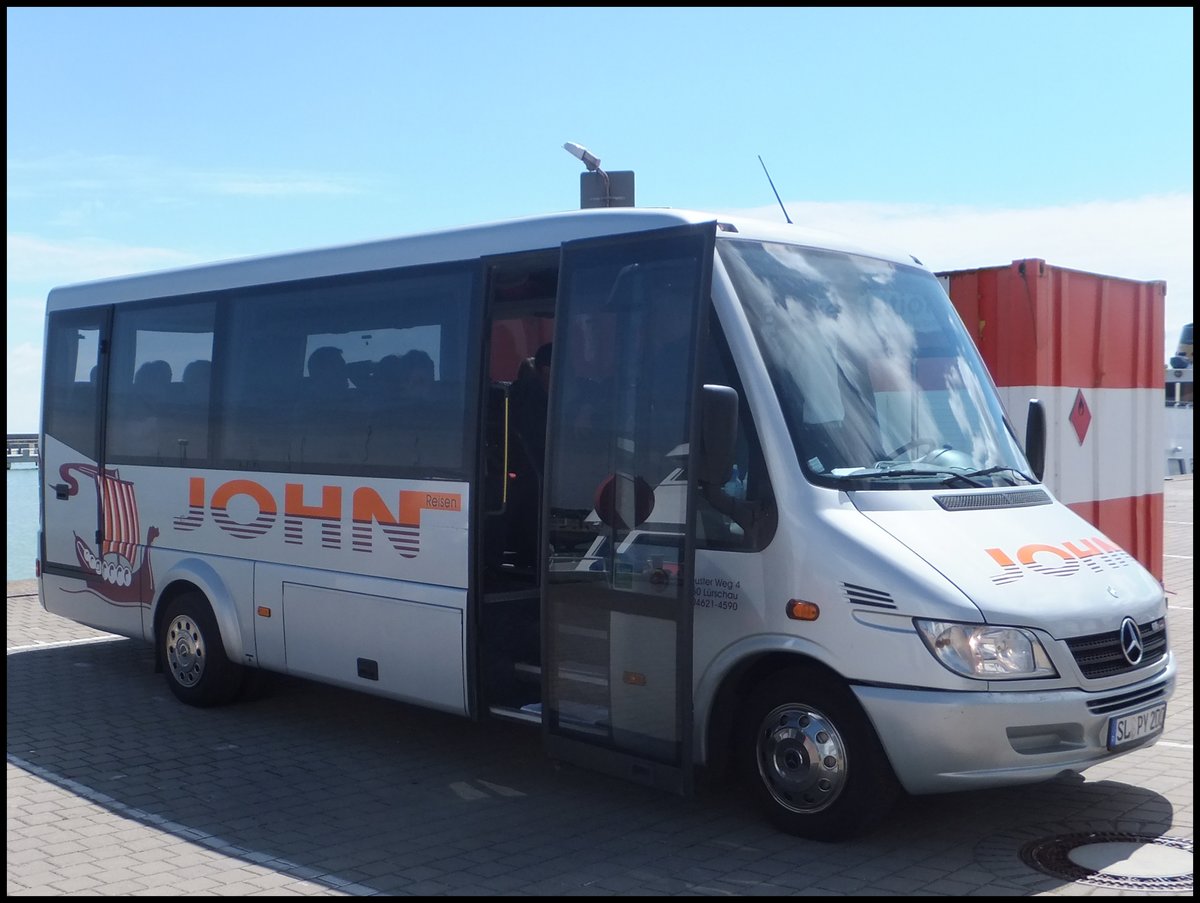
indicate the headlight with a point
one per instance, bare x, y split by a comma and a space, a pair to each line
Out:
985, 652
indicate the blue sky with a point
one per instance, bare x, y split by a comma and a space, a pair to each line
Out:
147, 138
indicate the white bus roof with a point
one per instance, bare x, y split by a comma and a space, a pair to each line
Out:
514, 236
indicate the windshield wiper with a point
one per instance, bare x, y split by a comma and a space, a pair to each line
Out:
947, 476
1002, 468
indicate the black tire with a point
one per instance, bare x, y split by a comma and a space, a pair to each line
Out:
198, 671
811, 758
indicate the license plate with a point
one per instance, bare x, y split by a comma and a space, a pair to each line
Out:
1127, 729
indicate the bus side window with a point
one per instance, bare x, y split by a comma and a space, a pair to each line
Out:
152, 418
72, 401
365, 373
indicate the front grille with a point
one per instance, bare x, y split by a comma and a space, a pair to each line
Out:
1109, 704
1099, 655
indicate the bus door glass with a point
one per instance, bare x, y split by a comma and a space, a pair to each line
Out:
71, 464
617, 598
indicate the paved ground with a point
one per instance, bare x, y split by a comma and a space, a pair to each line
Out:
114, 788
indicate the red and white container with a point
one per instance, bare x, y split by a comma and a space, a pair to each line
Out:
1090, 347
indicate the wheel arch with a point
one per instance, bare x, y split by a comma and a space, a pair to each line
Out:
718, 728
196, 575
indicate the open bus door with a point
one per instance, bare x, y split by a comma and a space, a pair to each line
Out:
617, 629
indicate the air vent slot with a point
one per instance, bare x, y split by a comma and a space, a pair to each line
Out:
979, 501
864, 595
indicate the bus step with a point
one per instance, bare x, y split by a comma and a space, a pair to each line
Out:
579, 717
525, 713
528, 670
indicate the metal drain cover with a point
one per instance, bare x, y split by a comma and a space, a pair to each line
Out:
1114, 859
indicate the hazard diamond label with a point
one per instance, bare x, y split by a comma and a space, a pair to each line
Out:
1081, 416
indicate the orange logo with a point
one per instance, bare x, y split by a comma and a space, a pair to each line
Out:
1097, 554
322, 517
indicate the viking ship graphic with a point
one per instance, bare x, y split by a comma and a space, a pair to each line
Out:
113, 571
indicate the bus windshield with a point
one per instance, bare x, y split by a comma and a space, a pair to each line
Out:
880, 384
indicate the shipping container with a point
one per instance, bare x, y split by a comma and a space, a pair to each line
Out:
1090, 347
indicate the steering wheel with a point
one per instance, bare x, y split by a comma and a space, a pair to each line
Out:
913, 446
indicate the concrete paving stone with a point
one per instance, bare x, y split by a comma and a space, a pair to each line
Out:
769, 867
311, 888
522, 861
69, 854
154, 867
88, 868
841, 883
337, 880
368, 872
25, 857
426, 888
231, 888
618, 884
338, 864
491, 869
22, 844
100, 827
77, 886
953, 887
996, 890
149, 846
388, 883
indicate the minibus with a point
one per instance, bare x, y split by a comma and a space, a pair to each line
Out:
695, 496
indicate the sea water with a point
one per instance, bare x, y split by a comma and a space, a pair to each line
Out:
22, 520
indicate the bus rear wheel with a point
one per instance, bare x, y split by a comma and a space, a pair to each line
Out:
812, 759
198, 671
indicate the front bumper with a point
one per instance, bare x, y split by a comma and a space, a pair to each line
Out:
940, 741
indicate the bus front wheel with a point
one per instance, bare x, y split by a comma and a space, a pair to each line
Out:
812, 759
194, 660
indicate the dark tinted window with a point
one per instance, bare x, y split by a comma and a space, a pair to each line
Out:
364, 373
159, 380
71, 402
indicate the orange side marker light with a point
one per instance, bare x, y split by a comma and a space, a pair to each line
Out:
799, 610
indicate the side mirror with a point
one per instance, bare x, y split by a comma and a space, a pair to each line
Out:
1035, 437
718, 434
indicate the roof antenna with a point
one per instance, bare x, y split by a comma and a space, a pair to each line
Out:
777, 197
592, 162
598, 188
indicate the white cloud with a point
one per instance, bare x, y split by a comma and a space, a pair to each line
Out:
24, 362
25, 313
40, 260
35, 265
1145, 239
84, 178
